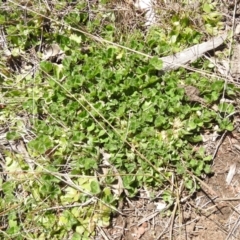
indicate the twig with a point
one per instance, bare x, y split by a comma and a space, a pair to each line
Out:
227, 199
165, 230
172, 220
218, 145
89, 10
211, 191
177, 204
105, 237
66, 206
233, 228
147, 218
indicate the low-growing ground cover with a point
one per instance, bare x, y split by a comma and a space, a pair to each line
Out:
89, 119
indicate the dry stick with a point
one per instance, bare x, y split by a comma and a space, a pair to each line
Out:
105, 237
179, 201
175, 210
88, 202
172, 220
227, 199
203, 183
179, 208
218, 145
233, 229
147, 218
6, 212
164, 230
236, 223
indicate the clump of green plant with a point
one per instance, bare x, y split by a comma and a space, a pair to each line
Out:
99, 115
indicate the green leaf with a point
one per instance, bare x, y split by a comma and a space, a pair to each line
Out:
13, 136
207, 169
189, 184
156, 63
8, 187
41, 144
226, 108
46, 66
95, 188
89, 163
76, 236
76, 38
71, 195
207, 7
226, 124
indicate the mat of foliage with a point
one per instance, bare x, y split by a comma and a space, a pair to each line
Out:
104, 122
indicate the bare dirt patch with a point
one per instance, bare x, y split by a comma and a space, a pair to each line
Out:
220, 219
